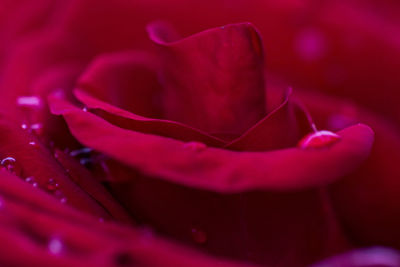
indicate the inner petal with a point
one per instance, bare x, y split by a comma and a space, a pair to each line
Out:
212, 80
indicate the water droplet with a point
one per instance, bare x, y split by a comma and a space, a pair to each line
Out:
29, 101
195, 146
85, 109
51, 185
37, 128
34, 144
8, 163
31, 180
199, 236
24, 126
318, 139
55, 246
60, 196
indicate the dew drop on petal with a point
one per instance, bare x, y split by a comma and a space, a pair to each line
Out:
31, 180
195, 146
198, 236
51, 185
8, 163
29, 101
60, 196
24, 126
33, 144
55, 246
318, 139
85, 109
37, 128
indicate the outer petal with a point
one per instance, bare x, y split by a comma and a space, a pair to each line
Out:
217, 169
125, 79
367, 200
213, 80
42, 232
35, 161
129, 80
236, 229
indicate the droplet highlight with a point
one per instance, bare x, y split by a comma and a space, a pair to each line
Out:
318, 139
51, 185
34, 144
8, 163
29, 101
55, 246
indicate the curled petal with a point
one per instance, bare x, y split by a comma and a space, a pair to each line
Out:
218, 169
222, 89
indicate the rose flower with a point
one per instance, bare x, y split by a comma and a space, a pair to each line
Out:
127, 143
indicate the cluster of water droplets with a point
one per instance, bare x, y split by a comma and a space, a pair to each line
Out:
30, 107
10, 164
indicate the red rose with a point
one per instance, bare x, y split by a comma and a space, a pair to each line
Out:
189, 137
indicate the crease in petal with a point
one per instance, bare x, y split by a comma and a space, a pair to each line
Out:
131, 121
281, 128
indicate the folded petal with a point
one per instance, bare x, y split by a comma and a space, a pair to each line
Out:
129, 81
279, 183
282, 128
34, 163
125, 79
212, 80
196, 165
42, 232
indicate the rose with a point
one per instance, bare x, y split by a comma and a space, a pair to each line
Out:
51, 80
